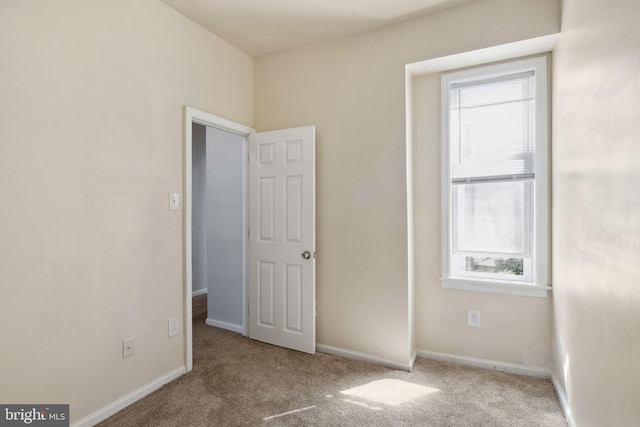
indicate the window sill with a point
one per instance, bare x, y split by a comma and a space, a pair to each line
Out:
496, 287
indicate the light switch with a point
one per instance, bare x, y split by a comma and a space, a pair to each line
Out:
174, 201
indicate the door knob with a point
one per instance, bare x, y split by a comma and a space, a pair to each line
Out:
306, 255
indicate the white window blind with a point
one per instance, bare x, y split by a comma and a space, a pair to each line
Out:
492, 129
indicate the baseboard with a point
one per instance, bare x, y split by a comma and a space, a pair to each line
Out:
198, 293
224, 325
412, 362
348, 354
511, 368
119, 404
564, 403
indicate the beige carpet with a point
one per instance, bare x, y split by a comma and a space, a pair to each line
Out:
239, 382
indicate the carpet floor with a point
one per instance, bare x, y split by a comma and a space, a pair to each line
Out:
236, 381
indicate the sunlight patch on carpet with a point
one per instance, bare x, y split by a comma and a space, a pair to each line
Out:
390, 391
287, 413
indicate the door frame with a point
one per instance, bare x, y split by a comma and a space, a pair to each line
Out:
191, 116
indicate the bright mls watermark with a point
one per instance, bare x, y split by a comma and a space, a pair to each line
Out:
34, 415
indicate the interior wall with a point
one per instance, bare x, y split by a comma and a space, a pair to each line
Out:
224, 226
352, 89
199, 207
92, 97
596, 212
514, 329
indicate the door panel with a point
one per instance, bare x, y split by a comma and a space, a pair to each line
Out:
266, 294
266, 209
282, 231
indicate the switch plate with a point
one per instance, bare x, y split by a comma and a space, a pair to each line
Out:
473, 318
174, 201
174, 327
128, 347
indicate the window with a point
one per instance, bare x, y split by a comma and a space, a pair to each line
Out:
494, 187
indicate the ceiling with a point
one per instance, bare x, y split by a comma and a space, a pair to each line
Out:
260, 27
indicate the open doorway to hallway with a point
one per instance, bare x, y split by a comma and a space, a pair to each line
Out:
217, 226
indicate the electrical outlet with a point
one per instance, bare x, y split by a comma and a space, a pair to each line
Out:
473, 318
128, 347
174, 327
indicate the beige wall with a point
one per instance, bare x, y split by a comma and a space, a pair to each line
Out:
352, 89
596, 213
91, 123
514, 329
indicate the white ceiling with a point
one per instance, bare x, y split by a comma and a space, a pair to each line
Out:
259, 27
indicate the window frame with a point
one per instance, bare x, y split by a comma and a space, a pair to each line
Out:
538, 285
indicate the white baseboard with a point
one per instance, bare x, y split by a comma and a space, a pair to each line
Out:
564, 403
412, 362
336, 351
198, 293
224, 325
119, 404
511, 368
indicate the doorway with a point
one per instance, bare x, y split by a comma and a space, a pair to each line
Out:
217, 238
218, 147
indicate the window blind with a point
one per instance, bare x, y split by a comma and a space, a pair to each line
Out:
492, 129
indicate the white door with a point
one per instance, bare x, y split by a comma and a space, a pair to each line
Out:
282, 238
